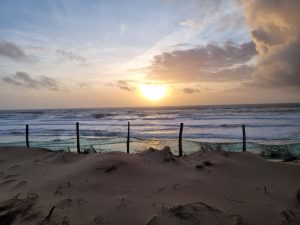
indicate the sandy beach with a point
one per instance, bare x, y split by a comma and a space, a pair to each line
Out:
42, 187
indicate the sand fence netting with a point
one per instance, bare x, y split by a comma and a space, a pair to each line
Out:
109, 144
141, 140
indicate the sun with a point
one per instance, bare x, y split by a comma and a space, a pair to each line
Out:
154, 92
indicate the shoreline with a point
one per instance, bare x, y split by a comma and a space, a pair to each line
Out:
153, 187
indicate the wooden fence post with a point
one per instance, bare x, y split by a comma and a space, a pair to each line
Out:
244, 138
77, 134
27, 136
180, 140
128, 137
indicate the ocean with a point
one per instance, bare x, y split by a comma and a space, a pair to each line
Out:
106, 129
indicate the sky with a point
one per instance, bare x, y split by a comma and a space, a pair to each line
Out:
102, 53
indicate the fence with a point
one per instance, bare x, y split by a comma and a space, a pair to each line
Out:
179, 147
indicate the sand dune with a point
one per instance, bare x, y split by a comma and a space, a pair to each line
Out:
42, 187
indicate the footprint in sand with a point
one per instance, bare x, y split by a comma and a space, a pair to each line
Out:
289, 217
61, 187
15, 209
37, 160
99, 220
21, 184
7, 181
10, 176
14, 166
65, 203
195, 213
123, 202
68, 202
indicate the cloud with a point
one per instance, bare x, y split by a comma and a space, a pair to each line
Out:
25, 80
204, 63
125, 85
191, 24
189, 90
275, 30
12, 51
84, 85
70, 56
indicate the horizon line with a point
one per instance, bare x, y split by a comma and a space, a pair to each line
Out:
154, 106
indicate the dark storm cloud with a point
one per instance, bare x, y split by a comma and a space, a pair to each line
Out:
11, 50
70, 55
25, 80
204, 63
280, 68
275, 30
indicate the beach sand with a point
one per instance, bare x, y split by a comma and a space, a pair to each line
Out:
38, 186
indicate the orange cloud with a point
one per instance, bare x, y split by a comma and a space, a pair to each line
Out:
204, 63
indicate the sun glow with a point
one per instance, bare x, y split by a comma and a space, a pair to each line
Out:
153, 92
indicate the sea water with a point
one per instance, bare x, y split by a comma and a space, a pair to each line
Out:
106, 129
